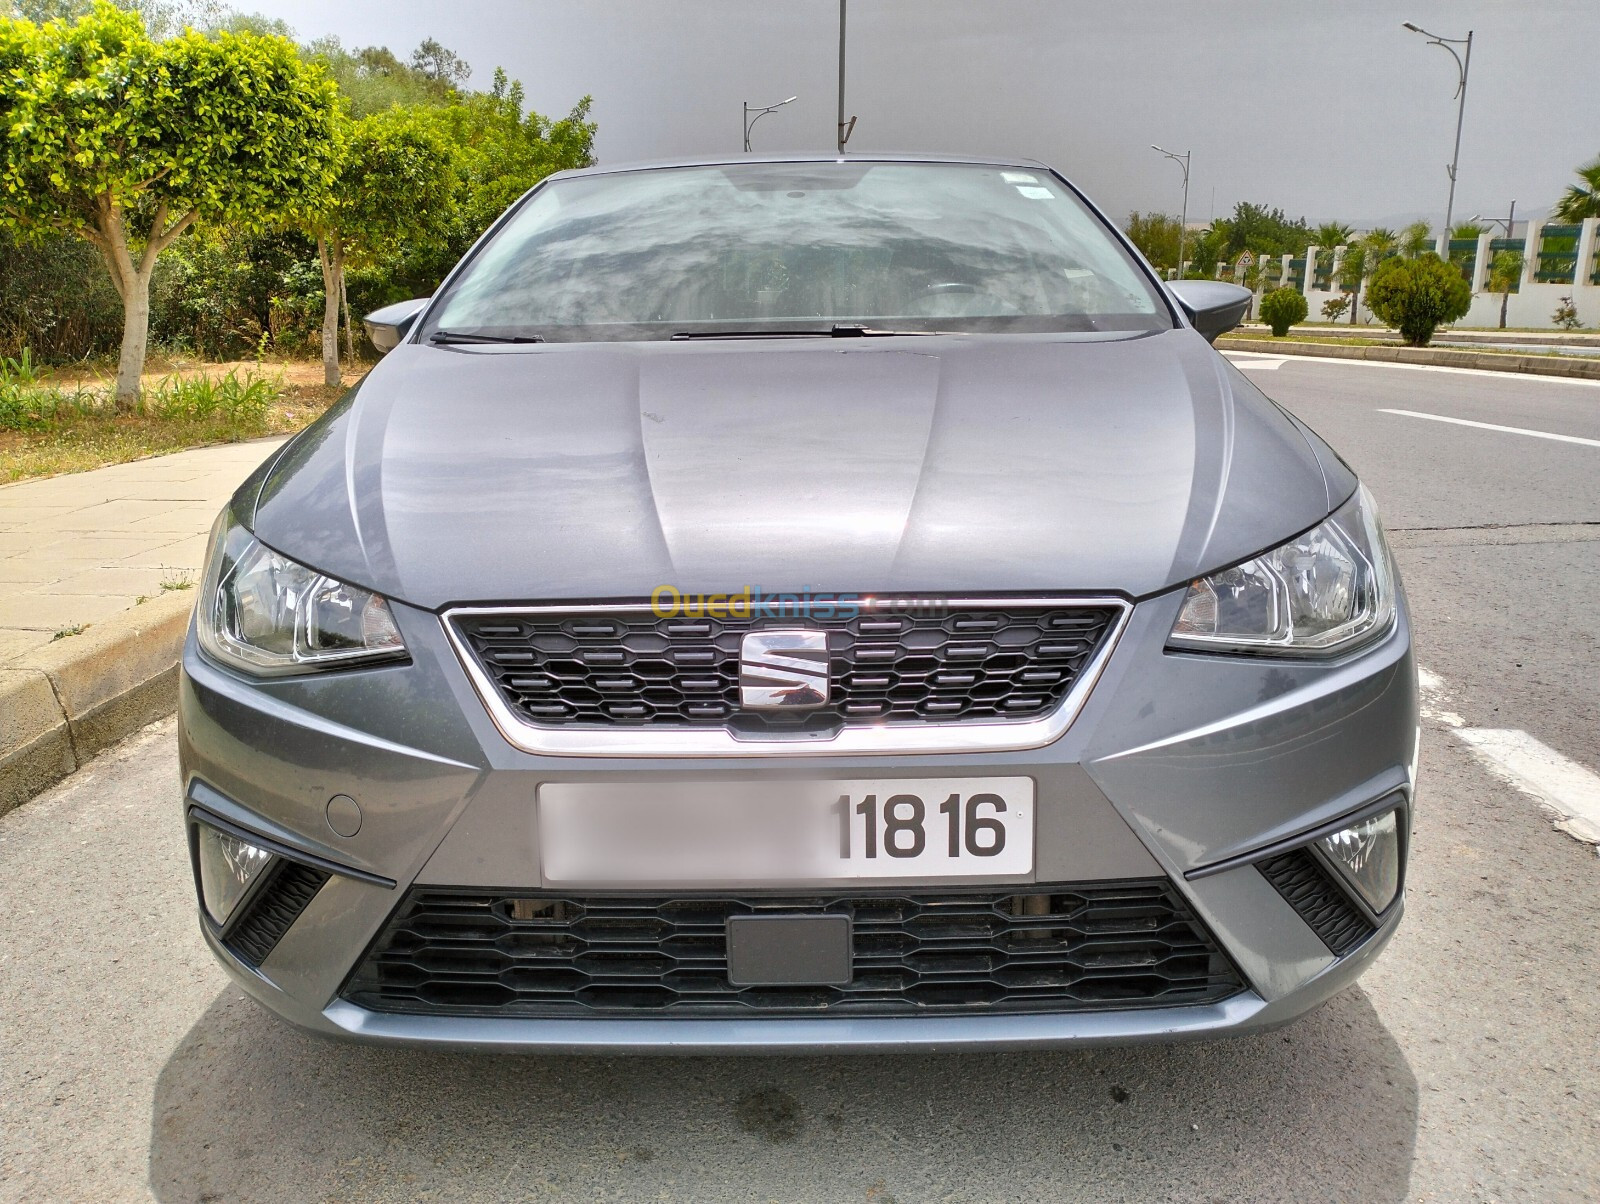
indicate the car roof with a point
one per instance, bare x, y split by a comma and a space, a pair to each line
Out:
736, 160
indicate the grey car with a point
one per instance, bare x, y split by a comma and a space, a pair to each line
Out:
803, 603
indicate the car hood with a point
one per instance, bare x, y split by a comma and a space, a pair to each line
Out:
940, 464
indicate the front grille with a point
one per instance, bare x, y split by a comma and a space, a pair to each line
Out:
1075, 948
1309, 888
276, 905
631, 668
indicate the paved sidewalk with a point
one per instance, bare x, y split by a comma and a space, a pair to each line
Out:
82, 547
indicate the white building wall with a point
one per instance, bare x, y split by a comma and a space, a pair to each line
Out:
1531, 305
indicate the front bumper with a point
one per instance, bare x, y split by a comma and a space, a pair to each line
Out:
1177, 765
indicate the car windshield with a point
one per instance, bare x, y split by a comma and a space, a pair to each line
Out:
799, 248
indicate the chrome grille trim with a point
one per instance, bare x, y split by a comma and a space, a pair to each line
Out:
927, 738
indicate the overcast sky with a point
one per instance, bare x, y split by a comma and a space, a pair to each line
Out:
1330, 110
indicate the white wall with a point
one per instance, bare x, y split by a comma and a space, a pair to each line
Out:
1531, 305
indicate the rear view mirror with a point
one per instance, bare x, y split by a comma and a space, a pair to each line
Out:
1213, 306
387, 326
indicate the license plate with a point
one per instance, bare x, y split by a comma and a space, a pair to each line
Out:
775, 832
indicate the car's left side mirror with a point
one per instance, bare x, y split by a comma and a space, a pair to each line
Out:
387, 326
1214, 306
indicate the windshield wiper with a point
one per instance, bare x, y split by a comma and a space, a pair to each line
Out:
839, 330
465, 336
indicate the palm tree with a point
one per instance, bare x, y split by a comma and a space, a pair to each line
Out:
1581, 200
1328, 236
1360, 258
1415, 239
1505, 269
1332, 234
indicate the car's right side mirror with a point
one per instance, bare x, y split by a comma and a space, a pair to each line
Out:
387, 326
1215, 307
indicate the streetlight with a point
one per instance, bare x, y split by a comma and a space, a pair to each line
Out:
844, 129
1183, 221
1506, 221
1462, 65
750, 122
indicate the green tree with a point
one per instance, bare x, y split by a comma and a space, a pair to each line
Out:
126, 142
1327, 236
1155, 234
1416, 295
1467, 230
441, 64
373, 79
1332, 234
1581, 200
1361, 258
1505, 272
1416, 238
396, 185
1282, 308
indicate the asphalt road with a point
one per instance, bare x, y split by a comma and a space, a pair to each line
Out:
1465, 1066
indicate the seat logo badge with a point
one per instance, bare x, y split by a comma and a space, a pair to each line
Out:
782, 669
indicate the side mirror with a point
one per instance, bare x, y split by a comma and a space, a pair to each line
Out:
1212, 305
387, 326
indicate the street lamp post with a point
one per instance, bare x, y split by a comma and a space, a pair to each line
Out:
1508, 221
750, 122
1183, 221
844, 129
1463, 65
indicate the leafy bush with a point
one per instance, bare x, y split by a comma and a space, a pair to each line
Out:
1416, 296
1282, 308
1334, 307
1566, 315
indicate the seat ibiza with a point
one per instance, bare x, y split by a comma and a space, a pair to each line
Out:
828, 604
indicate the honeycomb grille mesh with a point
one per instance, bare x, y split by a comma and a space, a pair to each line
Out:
631, 668
273, 908
1308, 888
1077, 948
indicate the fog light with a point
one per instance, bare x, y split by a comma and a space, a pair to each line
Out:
228, 865
1367, 855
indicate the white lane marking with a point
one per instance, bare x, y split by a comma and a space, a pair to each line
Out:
1251, 361
1434, 697
1565, 788
1568, 791
1493, 426
1497, 373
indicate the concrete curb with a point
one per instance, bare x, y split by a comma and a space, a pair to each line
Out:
1444, 357
61, 704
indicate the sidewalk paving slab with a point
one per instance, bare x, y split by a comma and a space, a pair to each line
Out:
116, 552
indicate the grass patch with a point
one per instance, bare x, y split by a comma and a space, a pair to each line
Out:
48, 428
177, 582
75, 629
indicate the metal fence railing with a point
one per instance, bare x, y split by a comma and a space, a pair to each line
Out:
1497, 245
1464, 254
1558, 255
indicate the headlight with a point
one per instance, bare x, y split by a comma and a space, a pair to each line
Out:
1319, 594
265, 614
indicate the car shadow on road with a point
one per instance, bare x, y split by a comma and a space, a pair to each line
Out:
248, 1108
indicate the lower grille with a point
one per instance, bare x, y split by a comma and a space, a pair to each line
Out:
1076, 948
269, 912
1308, 888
